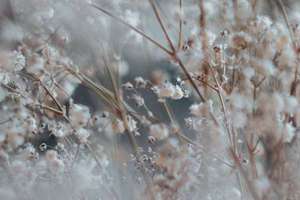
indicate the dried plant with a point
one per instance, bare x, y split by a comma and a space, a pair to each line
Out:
149, 99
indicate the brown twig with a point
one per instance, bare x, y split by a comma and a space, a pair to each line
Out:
180, 36
133, 28
172, 53
249, 184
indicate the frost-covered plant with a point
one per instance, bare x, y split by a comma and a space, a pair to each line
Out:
216, 115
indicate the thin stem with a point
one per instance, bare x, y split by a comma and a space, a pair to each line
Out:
202, 23
173, 120
5, 121
207, 84
159, 19
235, 10
124, 117
204, 43
133, 28
56, 102
223, 108
183, 137
174, 54
58, 112
189, 77
170, 53
295, 45
251, 187
180, 26
287, 21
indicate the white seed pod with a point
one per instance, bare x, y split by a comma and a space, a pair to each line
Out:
159, 131
79, 115
82, 134
178, 93
118, 126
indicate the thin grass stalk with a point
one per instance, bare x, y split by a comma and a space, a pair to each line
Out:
100, 90
235, 10
204, 42
227, 124
248, 182
133, 28
174, 53
159, 19
124, 118
295, 82
120, 106
180, 33
184, 138
173, 121
170, 53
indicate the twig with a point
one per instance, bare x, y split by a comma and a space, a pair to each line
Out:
5, 121
170, 53
287, 21
158, 17
184, 138
50, 108
232, 142
180, 26
251, 187
133, 28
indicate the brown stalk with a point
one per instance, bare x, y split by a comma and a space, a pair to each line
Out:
206, 83
123, 116
295, 45
254, 5
235, 9
170, 53
58, 112
5, 121
174, 53
203, 38
230, 137
159, 19
180, 27
287, 21
202, 23
251, 151
35, 78
106, 95
123, 113
189, 77
133, 28
183, 138
255, 87
249, 184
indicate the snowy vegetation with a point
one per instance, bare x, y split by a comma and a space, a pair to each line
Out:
149, 99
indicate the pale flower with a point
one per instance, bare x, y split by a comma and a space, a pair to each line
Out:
290, 104
239, 119
3, 94
168, 90
288, 133
79, 115
19, 61
159, 131
140, 82
128, 86
54, 164
139, 100
82, 134
132, 124
178, 93
118, 126
201, 109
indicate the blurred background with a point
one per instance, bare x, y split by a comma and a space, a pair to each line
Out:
80, 32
